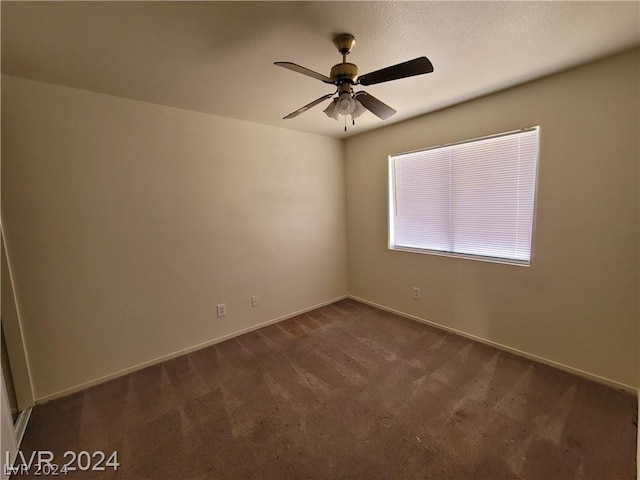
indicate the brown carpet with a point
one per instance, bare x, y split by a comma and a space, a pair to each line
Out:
346, 392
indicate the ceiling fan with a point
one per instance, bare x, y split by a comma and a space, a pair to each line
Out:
345, 75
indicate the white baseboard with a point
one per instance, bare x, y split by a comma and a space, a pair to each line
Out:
21, 424
184, 351
520, 353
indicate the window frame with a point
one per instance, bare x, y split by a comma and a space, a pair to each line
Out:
485, 258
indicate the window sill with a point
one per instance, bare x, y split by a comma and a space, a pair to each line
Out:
439, 253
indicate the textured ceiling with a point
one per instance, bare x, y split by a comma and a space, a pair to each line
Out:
217, 57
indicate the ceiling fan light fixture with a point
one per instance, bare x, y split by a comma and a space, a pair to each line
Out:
359, 109
332, 110
344, 105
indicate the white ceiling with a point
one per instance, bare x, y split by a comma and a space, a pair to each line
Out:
217, 57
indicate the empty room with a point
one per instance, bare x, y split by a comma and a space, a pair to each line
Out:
320, 240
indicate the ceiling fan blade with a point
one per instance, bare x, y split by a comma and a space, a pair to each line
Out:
375, 106
308, 106
417, 66
304, 71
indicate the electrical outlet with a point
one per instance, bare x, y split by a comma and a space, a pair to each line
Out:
221, 309
416, 293
255, 301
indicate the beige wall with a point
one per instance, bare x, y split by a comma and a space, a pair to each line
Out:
127, 222
577, 305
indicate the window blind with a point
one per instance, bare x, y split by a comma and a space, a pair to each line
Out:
472, 198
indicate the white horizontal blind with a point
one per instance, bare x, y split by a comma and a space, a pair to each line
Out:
474, 198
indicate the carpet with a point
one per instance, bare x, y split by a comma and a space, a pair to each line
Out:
346, 391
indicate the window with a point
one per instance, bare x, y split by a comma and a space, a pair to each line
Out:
472, 199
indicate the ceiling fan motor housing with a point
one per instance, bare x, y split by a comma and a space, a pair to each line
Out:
344, 72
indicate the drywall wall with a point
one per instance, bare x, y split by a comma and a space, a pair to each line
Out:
127, 222
577, 305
